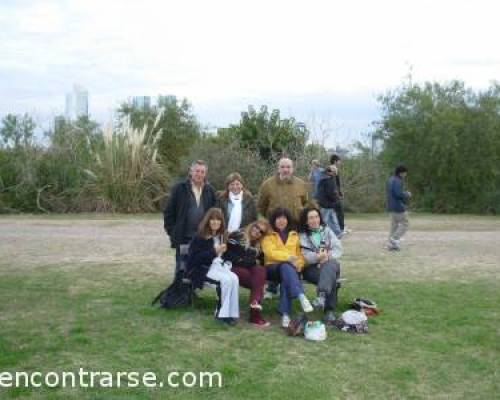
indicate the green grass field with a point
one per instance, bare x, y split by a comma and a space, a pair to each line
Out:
75, 293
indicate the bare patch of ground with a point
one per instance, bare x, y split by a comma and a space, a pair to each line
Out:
435, 248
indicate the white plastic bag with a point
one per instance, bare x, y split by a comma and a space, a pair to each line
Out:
315, 331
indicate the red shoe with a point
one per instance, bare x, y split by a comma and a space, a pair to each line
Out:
257, 320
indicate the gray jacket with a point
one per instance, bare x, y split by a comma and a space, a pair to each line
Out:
310, 250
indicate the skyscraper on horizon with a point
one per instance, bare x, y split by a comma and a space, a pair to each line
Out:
141, 102
77, 103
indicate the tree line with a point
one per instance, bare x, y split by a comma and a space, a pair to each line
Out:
446, 134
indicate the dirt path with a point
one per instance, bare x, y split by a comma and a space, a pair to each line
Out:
435, 247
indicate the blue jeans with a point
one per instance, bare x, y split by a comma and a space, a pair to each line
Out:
290, 284
330, 218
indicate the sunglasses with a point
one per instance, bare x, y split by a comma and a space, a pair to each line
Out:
258, 228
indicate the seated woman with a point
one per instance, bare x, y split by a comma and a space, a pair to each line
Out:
244, 252
237, 203
283, 261
205, 265
321, 250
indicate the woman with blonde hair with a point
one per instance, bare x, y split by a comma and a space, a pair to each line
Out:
237, 203
245, 253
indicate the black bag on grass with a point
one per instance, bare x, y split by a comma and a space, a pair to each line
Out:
178, 294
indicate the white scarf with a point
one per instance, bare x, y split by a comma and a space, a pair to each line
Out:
235, 217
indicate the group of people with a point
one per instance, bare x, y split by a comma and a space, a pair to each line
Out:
220, 239
230, 246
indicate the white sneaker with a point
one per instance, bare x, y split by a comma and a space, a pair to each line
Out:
394, 243
305, 304
285, 320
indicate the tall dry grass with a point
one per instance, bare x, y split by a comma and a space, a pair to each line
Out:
126, 175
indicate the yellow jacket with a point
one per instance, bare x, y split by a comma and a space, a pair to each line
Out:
275, 251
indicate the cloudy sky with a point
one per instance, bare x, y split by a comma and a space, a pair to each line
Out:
324, 62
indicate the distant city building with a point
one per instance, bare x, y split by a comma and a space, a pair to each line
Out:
167, 99
141, 102
77, 103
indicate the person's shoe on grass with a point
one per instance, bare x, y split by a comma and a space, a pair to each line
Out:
285, 321
305, 303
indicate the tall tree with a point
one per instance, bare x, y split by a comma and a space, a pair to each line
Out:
17, 130
172, 121
449, 138
266, 133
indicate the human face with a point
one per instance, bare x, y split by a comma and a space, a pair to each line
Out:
281, 223
285, 169
198, 173
256, 232
235, 187
215, 225
313, 220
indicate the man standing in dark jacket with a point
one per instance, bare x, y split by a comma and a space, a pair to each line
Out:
339, 206
188, 202
328, 198
396, 205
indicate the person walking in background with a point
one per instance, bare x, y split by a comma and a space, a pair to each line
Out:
397, 198
314, 177
328, 197
237, 203
339, 208
187, 204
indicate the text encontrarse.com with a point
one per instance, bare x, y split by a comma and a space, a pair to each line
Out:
103, 379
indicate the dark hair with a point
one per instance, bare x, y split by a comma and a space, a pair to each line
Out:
400, 169
281, 212
204, 228
303, 227
334, 158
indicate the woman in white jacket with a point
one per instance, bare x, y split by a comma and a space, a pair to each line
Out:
321, 250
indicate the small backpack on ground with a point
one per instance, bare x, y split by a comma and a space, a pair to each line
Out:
178, 294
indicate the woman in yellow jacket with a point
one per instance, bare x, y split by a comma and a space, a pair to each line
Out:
283, 260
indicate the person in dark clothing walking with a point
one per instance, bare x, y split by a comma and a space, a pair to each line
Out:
188, 202
397, 198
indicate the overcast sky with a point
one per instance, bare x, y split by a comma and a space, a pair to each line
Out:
323, 62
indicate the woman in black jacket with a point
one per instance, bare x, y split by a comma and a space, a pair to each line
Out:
204, 264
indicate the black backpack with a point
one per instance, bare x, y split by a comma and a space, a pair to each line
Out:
178, 294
